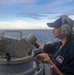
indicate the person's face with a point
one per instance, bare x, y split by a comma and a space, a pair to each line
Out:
56, 32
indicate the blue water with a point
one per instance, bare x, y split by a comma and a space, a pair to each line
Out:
43, 36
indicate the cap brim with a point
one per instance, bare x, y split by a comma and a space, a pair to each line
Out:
51, 24
56, 23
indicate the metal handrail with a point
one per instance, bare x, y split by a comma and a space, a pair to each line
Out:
12, 31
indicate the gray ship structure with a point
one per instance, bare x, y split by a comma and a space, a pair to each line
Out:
17, 56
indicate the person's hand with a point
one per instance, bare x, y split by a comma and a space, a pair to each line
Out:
43, 57
41, 46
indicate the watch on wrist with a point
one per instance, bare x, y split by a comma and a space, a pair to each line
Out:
51, 66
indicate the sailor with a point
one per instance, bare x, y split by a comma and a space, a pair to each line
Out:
62, 61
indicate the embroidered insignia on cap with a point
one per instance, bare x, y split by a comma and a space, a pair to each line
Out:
60, 59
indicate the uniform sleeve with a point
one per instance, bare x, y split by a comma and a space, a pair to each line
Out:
68, 67
49, 48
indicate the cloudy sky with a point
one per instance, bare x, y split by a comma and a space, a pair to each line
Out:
33, 14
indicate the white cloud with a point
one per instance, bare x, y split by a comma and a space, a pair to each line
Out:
72, 17
22, 25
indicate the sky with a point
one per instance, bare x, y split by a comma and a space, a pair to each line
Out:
33, 14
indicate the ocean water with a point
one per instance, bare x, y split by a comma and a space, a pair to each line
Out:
43, 36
